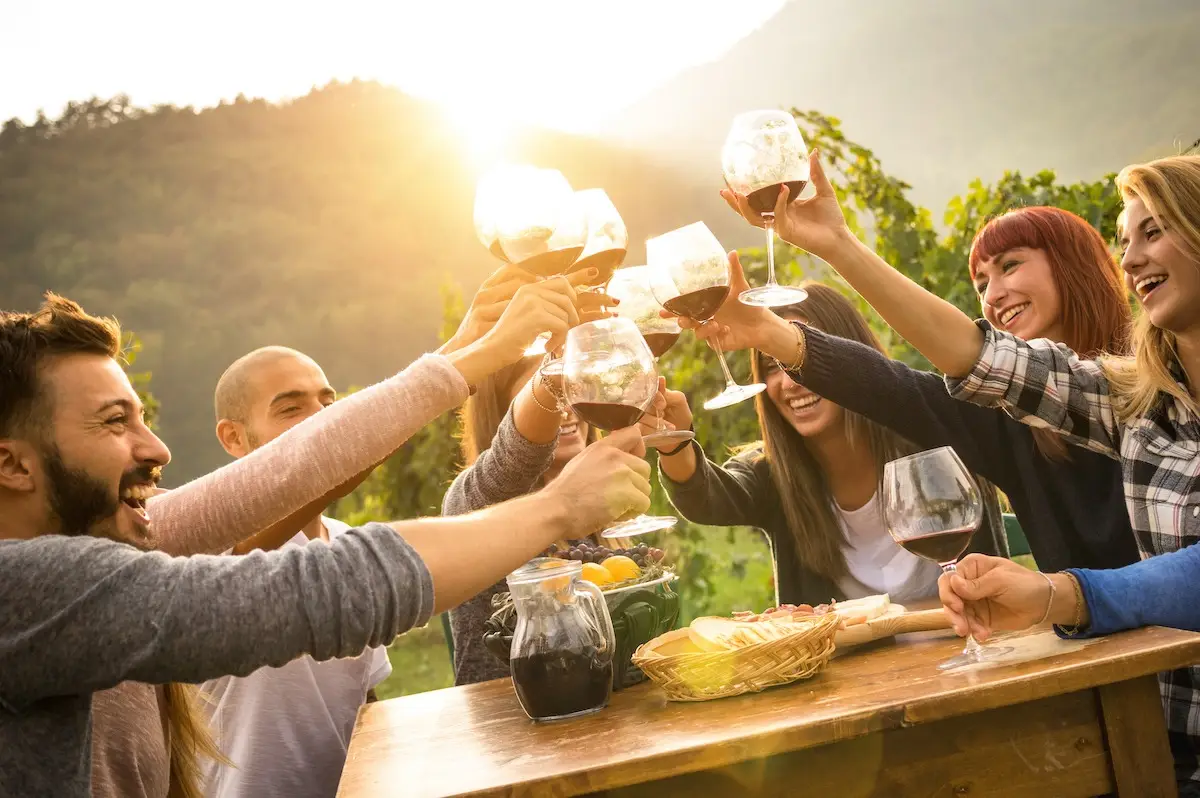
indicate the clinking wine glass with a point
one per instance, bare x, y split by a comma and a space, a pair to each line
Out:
607, 242
631, 286
530, 217
763, 152
610, 382
933, 508
690, 277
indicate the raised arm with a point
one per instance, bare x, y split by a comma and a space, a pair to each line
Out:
516, 459
321, 455
941, 332
83, 614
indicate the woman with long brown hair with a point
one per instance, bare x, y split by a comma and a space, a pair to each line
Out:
812, 485
1142, 410
1039, 273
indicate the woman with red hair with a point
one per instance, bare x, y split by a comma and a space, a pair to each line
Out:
1039, 272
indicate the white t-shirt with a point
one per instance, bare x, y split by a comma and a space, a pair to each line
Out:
287, 729
877, 564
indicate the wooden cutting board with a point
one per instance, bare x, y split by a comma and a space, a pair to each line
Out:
897, 621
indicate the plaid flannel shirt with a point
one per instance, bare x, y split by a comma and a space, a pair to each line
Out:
1045, 384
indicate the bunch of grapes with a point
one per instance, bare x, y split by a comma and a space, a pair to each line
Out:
583, 551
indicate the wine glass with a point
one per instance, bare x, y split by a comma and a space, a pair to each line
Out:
631, 286
932, 508
764, 152
609, 381
607, 237
690, 278
604, 250
531, 218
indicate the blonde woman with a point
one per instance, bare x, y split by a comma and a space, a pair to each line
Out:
1140, 409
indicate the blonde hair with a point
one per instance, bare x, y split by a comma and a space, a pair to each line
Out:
1170, 189
189, 740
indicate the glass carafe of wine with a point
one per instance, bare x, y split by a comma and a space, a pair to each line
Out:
690, 277
610, 382
764, 152
563, 645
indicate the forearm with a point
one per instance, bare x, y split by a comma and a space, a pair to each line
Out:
467, 553
726, 496
509, 468
281, 532
99, 613
1159, 591
534, 413
938, 329
681, 466
302, 466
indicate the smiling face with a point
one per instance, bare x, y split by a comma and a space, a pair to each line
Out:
1159, 272
1018, 294
811, 416
99, 462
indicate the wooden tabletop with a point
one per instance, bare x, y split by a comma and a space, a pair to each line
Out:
476, 740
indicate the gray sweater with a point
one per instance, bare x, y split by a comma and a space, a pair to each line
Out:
84, 614
512, 466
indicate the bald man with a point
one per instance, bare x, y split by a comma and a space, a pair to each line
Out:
285, 729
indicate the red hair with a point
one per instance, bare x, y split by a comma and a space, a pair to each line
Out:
1095, 311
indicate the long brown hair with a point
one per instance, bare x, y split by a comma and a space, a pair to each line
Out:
802, 486
1170, 189
1095, 311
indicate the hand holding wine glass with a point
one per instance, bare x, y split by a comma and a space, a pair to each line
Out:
671, 409
737, 325
932, 508
816, 224
994, 594
690, 278
487, 306
610, 382
549, 305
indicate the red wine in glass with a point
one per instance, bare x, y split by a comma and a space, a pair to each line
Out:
608, 415
699, 305
763, 200
605, 262
660, 342
940, 547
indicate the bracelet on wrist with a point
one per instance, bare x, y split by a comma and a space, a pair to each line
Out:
680, 447
801, 349
558, 405
1049, 600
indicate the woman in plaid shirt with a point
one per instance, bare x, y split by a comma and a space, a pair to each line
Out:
1141, 410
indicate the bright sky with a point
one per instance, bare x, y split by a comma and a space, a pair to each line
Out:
559, 63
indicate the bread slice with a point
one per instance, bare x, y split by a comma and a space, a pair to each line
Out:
861, 610
723, 634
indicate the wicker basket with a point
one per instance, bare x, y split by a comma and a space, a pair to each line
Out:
686, 674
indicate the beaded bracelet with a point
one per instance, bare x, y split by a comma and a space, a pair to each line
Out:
801, 350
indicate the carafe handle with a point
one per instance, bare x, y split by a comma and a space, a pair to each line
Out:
598, 607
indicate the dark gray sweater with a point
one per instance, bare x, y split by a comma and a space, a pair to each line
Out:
84, 614
511, 466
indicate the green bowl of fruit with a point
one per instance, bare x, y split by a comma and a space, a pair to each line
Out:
636, 584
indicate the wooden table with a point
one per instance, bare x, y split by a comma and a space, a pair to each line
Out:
877, 722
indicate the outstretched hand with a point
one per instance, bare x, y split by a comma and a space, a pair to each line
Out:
816, 224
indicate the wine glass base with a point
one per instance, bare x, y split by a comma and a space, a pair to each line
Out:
773, 296
640, 526
980, 654
668, 436
734, 394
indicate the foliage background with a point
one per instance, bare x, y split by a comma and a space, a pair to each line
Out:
304, 224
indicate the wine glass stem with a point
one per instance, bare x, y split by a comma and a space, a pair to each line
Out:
971, 647
769, 218
721, 359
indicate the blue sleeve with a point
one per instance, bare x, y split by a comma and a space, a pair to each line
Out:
1160, 591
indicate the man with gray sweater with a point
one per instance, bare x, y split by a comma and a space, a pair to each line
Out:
83, 612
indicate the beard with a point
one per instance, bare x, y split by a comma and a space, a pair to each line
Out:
80, 502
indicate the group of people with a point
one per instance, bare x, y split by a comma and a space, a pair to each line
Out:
120, 598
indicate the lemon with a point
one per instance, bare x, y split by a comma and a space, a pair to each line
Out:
598, 575
621, 568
